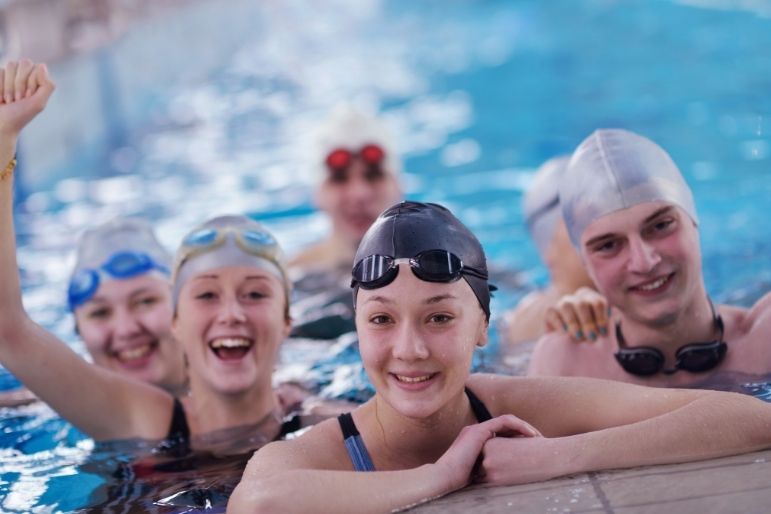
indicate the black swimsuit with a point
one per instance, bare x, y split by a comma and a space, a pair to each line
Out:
357, 450
177, 441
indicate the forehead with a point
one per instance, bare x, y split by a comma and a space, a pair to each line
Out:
629, 219
237, 275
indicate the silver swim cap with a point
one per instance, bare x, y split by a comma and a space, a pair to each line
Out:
227, 241
119, 249
350, 129
541, 204
615, 169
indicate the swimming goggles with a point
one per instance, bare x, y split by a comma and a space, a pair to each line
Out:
252, 241
694, 357
340, 159
121, 265
431, 266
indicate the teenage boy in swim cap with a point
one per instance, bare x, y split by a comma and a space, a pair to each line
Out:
632, 217
358, 168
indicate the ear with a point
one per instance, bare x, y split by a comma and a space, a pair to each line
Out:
484, 336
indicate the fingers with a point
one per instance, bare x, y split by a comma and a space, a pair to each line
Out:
23, 72
509, 425
8, 80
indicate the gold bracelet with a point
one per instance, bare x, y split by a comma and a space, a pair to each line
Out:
8, 171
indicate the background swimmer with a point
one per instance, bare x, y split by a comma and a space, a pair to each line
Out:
422, 305
582, 316
357, 164
231, 313
632, 217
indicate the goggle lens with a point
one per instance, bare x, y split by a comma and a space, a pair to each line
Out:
377, 271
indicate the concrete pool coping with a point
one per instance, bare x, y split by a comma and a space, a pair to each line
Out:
740, 484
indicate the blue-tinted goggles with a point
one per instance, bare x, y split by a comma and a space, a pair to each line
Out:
121, 265
431, 266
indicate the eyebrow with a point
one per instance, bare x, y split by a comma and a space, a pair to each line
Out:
664, 210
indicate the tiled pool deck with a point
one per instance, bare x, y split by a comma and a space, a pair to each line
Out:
739, 484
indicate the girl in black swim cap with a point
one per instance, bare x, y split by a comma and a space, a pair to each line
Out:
431, 426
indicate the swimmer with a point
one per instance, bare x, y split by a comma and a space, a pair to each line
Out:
120, 295
357, 166
583, 313
229, 297
422, 307
632, 217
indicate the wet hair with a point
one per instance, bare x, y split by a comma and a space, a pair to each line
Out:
409, 228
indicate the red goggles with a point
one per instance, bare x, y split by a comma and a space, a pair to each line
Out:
340, 158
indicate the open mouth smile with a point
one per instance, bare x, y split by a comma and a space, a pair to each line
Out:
231, 348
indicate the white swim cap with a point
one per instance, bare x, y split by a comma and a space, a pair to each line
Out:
615, 169
351, 129
541, 204
117, 250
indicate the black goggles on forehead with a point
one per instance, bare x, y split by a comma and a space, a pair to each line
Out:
693, 357
377, 271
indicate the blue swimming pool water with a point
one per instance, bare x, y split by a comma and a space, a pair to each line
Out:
482, 92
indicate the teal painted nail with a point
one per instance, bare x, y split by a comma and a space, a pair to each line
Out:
603, 331
592, 336
580, 334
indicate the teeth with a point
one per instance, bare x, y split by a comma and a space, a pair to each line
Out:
231, 342
134, 353
412, 380
653, 285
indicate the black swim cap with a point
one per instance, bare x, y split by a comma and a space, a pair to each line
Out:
409, 228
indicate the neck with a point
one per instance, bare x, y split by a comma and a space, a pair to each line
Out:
694, 323
209, 411
403, 442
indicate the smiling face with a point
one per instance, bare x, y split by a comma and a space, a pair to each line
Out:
231, 321
126, 327
417, 340
645, 260
353, 197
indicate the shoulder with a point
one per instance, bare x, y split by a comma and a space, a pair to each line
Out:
321, 447
526, 321
758, 317
553, 355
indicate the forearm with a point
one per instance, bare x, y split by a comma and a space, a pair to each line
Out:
714, 425
342, 492
10, 294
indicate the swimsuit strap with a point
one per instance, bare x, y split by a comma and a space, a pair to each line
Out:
479, 408
354, 444
177, 441
290, 425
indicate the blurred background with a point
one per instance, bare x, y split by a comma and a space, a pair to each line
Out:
179, 110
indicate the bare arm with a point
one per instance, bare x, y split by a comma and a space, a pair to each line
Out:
295, 476
596, 424
101, 403
551, 355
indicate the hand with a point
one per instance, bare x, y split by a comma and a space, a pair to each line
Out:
24, 91
520, 460
459, 460
583, 315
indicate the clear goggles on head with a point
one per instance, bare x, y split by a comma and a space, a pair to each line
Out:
252, 241
121, 265
377, 271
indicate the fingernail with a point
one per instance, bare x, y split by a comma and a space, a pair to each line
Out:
609, 309
579, 334
564, 327
603, 331
592, 336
